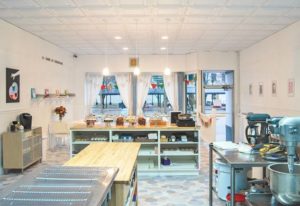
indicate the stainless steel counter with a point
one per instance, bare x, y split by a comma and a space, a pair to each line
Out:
61, 185
235, 160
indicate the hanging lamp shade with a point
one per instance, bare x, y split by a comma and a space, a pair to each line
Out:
105, 71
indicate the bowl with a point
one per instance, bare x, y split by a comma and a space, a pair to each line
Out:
285, 186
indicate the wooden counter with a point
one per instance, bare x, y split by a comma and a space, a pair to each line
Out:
108, 154
100, 127
120, 155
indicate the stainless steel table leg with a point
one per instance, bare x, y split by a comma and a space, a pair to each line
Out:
210, 174
232, 177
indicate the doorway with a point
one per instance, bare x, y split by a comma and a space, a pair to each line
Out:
217, 97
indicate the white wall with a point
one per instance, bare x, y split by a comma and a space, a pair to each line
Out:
23, 51
149, 63
275, 58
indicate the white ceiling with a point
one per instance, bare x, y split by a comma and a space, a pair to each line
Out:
89, 26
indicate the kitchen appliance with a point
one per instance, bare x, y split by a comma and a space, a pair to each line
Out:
185, 123
222, 178
25, 120
285, 186
285, 178
257, 130
174, 117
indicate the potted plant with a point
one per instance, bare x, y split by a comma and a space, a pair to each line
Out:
61, 111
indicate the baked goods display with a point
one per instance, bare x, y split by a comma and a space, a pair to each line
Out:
90, 120
120, 121
142, 121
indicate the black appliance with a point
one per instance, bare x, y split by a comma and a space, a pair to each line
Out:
185, 123
25, 120
174, 117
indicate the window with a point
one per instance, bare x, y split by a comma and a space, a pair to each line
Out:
191, 93
157, 101
109, 100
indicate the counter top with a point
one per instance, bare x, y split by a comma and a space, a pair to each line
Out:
130, 128
109, 154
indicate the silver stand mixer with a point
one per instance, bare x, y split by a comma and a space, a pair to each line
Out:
285, 178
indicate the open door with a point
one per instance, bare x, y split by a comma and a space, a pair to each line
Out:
217, 97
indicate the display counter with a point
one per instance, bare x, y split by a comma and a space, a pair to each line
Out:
119, 155
164, 149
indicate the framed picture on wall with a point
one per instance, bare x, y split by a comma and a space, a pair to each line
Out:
12, 85
260, 89
274, 88
250, 89
291, 87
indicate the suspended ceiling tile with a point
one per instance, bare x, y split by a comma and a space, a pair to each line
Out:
9, 13
92, 2
74, 20
294, 12
265, 11
280, 3
236, 11
228, 20
35, 12
56, 3
259, 20
202, 10
208, 2
61, 12
99, 11
246, 3
19, 3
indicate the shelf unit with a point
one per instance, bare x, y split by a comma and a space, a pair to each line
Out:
22, 149
184, 155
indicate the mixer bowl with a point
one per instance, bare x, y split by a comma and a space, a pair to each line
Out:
285, 187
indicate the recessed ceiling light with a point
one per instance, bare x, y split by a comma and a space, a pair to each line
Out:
125, 48
118, 37
164, 37
163, 48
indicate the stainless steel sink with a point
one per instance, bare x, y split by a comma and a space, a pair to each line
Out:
285, 186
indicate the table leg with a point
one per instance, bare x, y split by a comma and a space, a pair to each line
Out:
232, 192
210, 174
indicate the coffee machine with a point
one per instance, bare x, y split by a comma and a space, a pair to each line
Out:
25, 120
257, 130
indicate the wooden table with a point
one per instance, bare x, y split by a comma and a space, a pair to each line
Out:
120, 155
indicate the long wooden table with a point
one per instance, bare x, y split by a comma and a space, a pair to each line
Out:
120, 155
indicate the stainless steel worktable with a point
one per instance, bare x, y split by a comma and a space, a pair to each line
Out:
63, 186
235, 160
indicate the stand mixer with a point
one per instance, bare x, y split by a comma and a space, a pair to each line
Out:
289, 130
285, 178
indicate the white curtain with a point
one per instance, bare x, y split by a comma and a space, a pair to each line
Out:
93, 81
124, 82
171, 88
143, 84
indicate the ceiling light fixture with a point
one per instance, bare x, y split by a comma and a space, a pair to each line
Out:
136, 70
164, 37
163, 48
118, 37
125, 48
167, 70
105, 70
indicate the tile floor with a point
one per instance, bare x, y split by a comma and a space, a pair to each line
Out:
153, 191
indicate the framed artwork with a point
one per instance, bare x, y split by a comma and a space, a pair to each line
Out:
12, 85
33, 93
274, 88
250, 89
291, 87
260, 89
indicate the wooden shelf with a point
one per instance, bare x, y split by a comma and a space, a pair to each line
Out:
150, 154
51, 96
